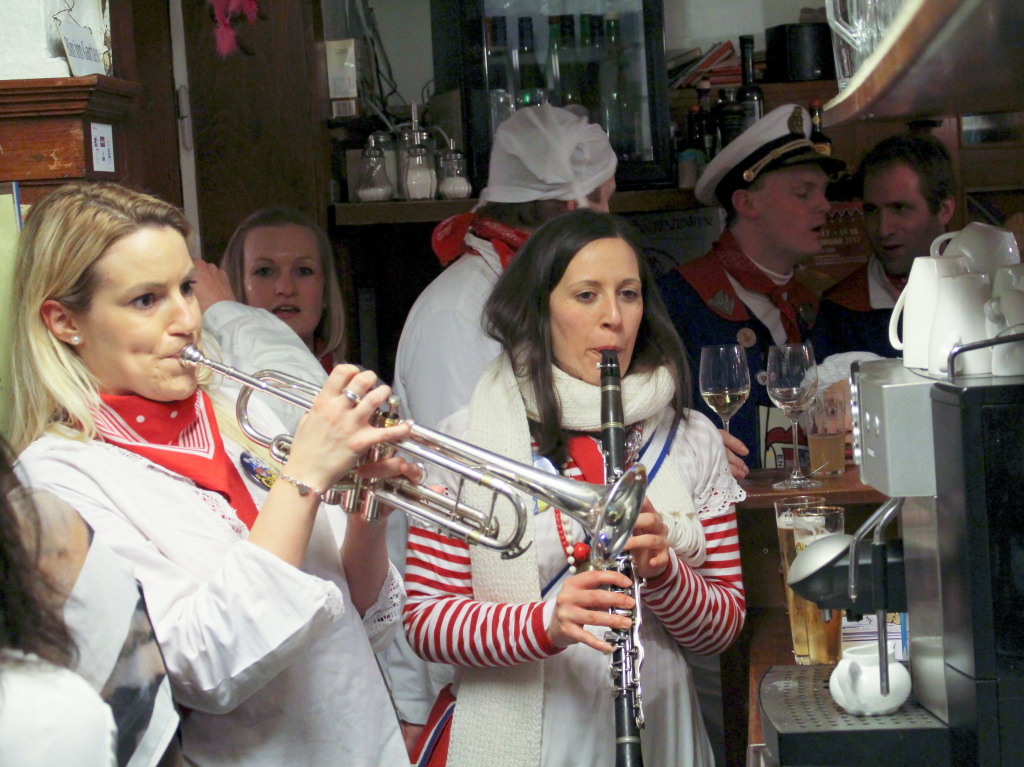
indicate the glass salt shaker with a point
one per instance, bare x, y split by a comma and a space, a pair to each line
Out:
454, 184
419, 176
374, 184
386, 143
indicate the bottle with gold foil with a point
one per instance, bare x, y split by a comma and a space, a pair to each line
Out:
822, 143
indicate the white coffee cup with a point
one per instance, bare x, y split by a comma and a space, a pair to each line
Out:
960, 319
917, 305
985, 247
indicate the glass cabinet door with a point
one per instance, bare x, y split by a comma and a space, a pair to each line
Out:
588, 56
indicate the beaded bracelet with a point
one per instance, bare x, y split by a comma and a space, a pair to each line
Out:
302, 487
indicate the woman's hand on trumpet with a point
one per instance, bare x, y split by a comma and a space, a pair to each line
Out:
336, 432
583, 602
649, 543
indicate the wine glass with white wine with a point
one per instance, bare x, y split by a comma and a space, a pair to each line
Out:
792, 384
724, 379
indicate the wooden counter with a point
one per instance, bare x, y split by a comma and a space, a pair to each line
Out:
844, 490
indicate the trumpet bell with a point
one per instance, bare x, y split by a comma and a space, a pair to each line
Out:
615, 519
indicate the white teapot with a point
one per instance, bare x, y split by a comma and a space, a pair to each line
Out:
856, 687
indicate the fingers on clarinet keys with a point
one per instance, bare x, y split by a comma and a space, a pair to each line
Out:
354, 398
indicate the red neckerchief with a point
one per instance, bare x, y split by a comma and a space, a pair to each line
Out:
182, 437
449, 238
585, 454
327, 363
786, 297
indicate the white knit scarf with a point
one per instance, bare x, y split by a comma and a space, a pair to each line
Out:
498, 716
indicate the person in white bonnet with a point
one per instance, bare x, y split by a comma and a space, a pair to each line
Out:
545, 161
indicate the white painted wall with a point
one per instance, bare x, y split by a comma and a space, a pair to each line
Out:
405, 31
29, 44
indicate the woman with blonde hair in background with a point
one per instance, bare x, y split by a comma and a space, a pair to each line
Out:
266, 626
280, 261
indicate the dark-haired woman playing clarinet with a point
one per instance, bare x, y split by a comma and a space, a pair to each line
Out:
528, 635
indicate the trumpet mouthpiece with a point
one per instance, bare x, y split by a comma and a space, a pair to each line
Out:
190, 355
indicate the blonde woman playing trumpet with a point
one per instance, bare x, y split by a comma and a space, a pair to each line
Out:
266, 625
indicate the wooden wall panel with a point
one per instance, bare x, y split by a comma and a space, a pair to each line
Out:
259, 120
42, 148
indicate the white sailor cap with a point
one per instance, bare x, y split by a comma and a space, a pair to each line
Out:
777, 140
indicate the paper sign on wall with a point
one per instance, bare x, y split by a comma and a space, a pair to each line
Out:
102, 147
80, 47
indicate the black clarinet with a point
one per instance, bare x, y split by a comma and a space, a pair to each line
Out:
628, 654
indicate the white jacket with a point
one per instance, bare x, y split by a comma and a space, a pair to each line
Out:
274, 662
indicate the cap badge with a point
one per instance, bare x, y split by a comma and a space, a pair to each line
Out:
746, 338
796, 121
723, 302
257, 471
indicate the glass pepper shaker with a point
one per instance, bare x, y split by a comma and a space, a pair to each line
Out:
374, 184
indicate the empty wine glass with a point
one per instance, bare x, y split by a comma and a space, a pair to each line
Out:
724, 379
792, 384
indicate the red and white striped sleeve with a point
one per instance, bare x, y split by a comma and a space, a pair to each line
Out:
703, 608
443, 622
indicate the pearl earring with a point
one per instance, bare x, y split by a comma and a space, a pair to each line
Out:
76, 340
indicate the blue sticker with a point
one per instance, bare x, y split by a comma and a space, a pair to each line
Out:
258, 471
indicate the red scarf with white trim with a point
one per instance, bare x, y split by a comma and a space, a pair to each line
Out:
785, 297
449, 238
586, 457
180, 436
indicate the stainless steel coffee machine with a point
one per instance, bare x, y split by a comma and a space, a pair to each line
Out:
953, 450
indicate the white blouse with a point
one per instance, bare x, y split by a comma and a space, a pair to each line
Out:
274, 662
51, 716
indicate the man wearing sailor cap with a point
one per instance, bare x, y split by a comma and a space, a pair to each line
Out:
771, 182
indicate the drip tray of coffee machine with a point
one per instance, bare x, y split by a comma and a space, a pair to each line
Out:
803, 726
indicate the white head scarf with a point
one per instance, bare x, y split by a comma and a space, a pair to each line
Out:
547, 153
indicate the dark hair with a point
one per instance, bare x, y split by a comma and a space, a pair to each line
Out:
528, 215
925, 155
518, 316
27, 620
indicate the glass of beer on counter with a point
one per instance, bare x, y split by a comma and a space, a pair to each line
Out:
801, 520
826, 433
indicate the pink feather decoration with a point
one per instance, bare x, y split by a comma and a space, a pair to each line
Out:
225, 12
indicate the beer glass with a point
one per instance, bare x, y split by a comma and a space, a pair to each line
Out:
801, 520
826, 433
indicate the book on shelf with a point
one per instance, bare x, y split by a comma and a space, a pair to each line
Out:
718, 52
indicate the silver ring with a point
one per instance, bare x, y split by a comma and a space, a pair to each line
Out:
352, 396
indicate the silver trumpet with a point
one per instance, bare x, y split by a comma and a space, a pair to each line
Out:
608, 512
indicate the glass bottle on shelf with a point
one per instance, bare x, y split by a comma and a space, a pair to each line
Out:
419, 174
732, 117
703, 89
410, 137
822, 143
750, 95
692, 160
530, 86
386, 143
500, 80
374, 184
454, 185
571, 67
616, 114
552, 66
590, 52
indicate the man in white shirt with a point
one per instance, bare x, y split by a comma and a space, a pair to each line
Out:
771, 182
909, 189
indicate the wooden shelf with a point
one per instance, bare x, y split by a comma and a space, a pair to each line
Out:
427, 211
98, 96
940, 59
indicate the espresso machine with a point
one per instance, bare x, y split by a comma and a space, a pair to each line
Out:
950, 454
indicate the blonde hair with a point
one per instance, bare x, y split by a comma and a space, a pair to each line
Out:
65, 234
330, 332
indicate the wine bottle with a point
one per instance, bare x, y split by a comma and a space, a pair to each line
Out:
616, 114
530, 87
731, 117
552, 67
572, 69
750, 95
704, 102
822, 143
500, 80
